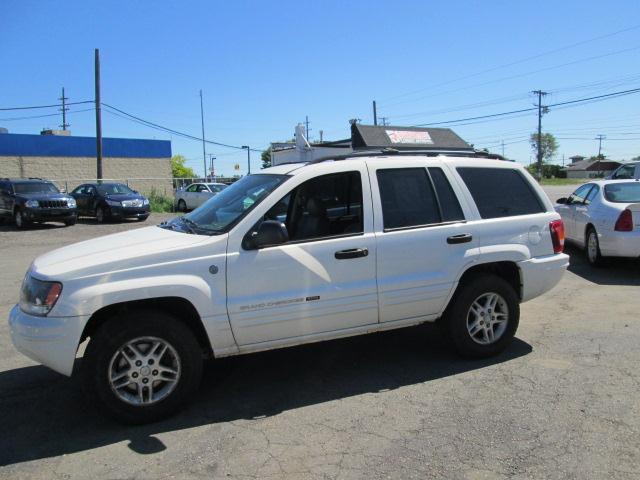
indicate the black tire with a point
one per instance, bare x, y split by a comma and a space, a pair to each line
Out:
455, 322
104, 346
142, 219
182, 205
70, 221
19, 220
101, 216
594, 258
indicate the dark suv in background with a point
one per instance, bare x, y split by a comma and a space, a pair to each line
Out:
33, 200
110, 201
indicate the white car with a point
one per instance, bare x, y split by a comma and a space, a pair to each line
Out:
628, 171
603, 217
196, 194
295, 254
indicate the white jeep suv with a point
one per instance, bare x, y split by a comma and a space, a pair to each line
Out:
294, 254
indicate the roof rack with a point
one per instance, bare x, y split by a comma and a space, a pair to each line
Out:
385, 152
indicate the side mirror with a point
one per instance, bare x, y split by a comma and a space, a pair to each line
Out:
270, 232
562, 200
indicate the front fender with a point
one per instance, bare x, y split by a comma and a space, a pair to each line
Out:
89, 299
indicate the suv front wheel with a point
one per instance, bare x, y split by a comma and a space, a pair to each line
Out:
483, 316
142, 367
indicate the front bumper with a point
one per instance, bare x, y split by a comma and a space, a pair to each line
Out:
49, 214
129, 212
51, 341
620, 244
540, 274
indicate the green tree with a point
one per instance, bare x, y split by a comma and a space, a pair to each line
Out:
266, 158
548, 143
179, 169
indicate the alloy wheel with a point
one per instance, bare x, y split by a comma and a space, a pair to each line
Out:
487, 318
144, 370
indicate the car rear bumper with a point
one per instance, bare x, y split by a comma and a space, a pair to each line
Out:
51, 341
620, 244
540, 274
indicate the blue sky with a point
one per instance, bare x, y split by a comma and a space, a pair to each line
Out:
263, 66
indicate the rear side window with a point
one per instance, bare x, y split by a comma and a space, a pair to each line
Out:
622, 192
407, 198
500, 192
449, 204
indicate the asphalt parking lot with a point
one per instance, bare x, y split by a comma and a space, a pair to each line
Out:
562, 402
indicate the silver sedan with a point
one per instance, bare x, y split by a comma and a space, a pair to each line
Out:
603, 217
196, 194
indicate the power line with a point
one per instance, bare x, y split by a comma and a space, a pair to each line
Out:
570, 102
157, 126
57, 105
44, 116
510, 64
565, 64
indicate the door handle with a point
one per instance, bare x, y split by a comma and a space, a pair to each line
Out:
351, 253
462, 238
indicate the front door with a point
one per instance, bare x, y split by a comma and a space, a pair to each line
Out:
568, 212
323, 279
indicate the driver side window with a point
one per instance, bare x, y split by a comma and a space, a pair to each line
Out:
580, 195
192, 188
326, 206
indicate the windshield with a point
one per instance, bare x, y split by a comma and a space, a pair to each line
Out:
622, 192
216, 187
114, 189
35, 187
231, 204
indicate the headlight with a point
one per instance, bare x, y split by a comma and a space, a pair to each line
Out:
38, 297
71, 202
31, 203
145, 201
113, 203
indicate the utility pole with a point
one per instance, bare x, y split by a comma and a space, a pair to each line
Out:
502, 143
321, 132
98, 117
375, 114
212, 170
383, 121
306, 123
64, 111
600, 138
204, 149
540, 94
248, 158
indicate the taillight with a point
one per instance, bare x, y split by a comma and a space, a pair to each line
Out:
556, 228
624, 222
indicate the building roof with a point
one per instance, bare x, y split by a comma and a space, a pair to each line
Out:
13, 144
372, 136
591, 165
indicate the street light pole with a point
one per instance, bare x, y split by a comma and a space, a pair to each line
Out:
248, 158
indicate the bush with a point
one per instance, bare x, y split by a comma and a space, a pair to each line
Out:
160, 203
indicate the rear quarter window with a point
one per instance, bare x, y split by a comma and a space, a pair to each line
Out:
500, 192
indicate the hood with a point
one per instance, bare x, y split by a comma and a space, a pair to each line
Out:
47, 195
133, 249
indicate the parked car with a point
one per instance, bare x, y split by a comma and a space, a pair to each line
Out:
196, 194
628, 171
603, 217
294, 254
110, 201
34, 200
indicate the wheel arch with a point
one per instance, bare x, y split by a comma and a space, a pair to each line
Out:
179, 307
508, 270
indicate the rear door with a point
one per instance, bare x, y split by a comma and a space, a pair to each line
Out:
6, 209
423, 237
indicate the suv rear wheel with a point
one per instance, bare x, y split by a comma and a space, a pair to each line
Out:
483, 316
142, 367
